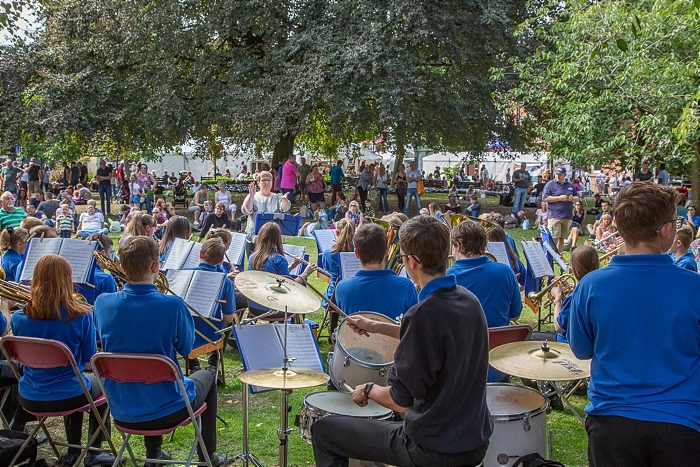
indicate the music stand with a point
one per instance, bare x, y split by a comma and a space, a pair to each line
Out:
538, 263
289, 224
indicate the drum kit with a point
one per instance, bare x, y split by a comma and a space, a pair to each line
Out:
519, 413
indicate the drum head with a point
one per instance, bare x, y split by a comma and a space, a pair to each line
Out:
513, 401
340, 403
373, 350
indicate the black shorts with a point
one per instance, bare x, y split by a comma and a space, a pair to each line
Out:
316, 197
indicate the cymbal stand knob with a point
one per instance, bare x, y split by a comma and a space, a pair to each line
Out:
545, 346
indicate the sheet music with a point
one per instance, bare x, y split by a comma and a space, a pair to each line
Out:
179, 281
560, 261
193, 260
35, 250
259, 348
324, 239
499, 251
178, 254
301, 345
349, 264
236, 250
295, 250
536, 259
204, 290
79, 254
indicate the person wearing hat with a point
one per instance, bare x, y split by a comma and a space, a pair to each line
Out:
560, 196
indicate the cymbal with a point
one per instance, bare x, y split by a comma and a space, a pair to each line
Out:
553, 361
277, 292
276, 378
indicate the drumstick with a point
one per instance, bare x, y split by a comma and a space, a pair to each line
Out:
346, 387
330, 303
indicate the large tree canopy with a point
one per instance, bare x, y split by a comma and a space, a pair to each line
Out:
148, 73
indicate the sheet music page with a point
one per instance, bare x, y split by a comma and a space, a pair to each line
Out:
295, 250
179, 281
324, 239
35, 250
349, 264
178, 254
204, 290
538, 262
560, 261
498, 250
193, 260
236, 250
259, 347
300, 345
79, 254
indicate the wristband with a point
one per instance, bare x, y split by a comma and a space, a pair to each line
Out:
368, 388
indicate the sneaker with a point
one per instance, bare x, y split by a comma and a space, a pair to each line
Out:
67, 460
99, 458
218, 460
165, 456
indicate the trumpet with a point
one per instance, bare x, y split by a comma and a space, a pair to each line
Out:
544, 297
612, 251
306, 263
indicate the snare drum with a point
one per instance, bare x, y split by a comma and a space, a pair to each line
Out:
321, 404
520, 423
359, 359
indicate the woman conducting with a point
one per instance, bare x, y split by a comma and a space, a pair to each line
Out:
262, 202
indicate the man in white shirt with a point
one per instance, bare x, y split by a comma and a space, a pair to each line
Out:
91, 222
413, 176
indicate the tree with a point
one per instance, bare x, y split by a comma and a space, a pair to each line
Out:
609, 81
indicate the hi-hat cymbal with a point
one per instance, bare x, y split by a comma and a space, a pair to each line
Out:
277, 292
276, 378
553, 361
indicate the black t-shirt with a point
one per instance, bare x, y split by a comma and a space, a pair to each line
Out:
439, 372
33, 172
104, 173
643, 176
539, 187
525, 175
74, 175
49, 207
212, 221
454, 209
83, 173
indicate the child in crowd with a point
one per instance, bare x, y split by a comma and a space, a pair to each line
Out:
65, 222
369, 209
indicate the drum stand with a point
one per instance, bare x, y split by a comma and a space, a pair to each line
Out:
246, 456
565, 400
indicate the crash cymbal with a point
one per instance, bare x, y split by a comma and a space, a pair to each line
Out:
276, 378
275, 292
544, 361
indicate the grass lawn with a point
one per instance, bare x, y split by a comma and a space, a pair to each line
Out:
568, 435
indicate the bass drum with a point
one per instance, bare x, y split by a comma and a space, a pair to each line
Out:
520, 423
361, 359
323, 403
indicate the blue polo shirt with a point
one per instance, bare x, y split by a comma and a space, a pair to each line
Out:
495, 286
687, 261
380, 291
442, 282
11, 263
104, 282
329, 262
644, 346
563, 318
276, 264
139, 319
562, 209
56, 383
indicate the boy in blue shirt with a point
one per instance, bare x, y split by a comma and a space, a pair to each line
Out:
645, 368
680, 250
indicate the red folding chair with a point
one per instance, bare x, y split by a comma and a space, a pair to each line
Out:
46, 354
505, 334
148, 369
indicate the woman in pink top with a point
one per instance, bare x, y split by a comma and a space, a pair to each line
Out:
288, 181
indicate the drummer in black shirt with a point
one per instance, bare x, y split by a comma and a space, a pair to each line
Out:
439, 374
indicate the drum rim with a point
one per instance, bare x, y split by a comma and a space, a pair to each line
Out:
339, 345
521, 415
324, 412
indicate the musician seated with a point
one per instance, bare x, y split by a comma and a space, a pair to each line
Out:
211, 257
374, 288
494, 284
13, 243
439, 374
170, 326
345, 230
103, 281
680, 249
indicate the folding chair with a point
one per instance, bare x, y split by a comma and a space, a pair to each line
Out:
148, 369
46, 354
505, 334
5, 391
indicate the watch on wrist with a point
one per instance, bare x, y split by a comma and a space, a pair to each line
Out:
368, 388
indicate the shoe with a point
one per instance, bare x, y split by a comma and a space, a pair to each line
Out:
212, 369
218, 460
99, 458
40, 438
67, 460
164, 456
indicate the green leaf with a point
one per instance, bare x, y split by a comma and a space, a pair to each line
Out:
622, 45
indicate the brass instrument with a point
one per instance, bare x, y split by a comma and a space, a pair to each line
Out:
544, 297
2, 274
21, 294
453, 219
615, 250
393, 243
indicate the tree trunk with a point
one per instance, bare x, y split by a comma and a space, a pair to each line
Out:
400, 153
695, 175
283, 148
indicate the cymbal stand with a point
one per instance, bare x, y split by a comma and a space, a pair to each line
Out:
246, 456
565, 400
284, 430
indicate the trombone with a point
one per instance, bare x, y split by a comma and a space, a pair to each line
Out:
544, 297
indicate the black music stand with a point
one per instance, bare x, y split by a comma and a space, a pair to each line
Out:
288, 223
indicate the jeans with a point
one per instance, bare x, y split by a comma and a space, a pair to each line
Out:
291, 191
85, 233
519, 199
401, 197
409, 193
363, 197
382, 195
105, 192
149, 204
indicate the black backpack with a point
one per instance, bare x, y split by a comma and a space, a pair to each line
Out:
10, 442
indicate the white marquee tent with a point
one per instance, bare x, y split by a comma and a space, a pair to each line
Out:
496, 163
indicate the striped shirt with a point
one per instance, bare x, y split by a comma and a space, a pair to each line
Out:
65, 222
11, 219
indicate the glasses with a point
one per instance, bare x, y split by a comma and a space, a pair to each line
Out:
680, 221
399, 258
